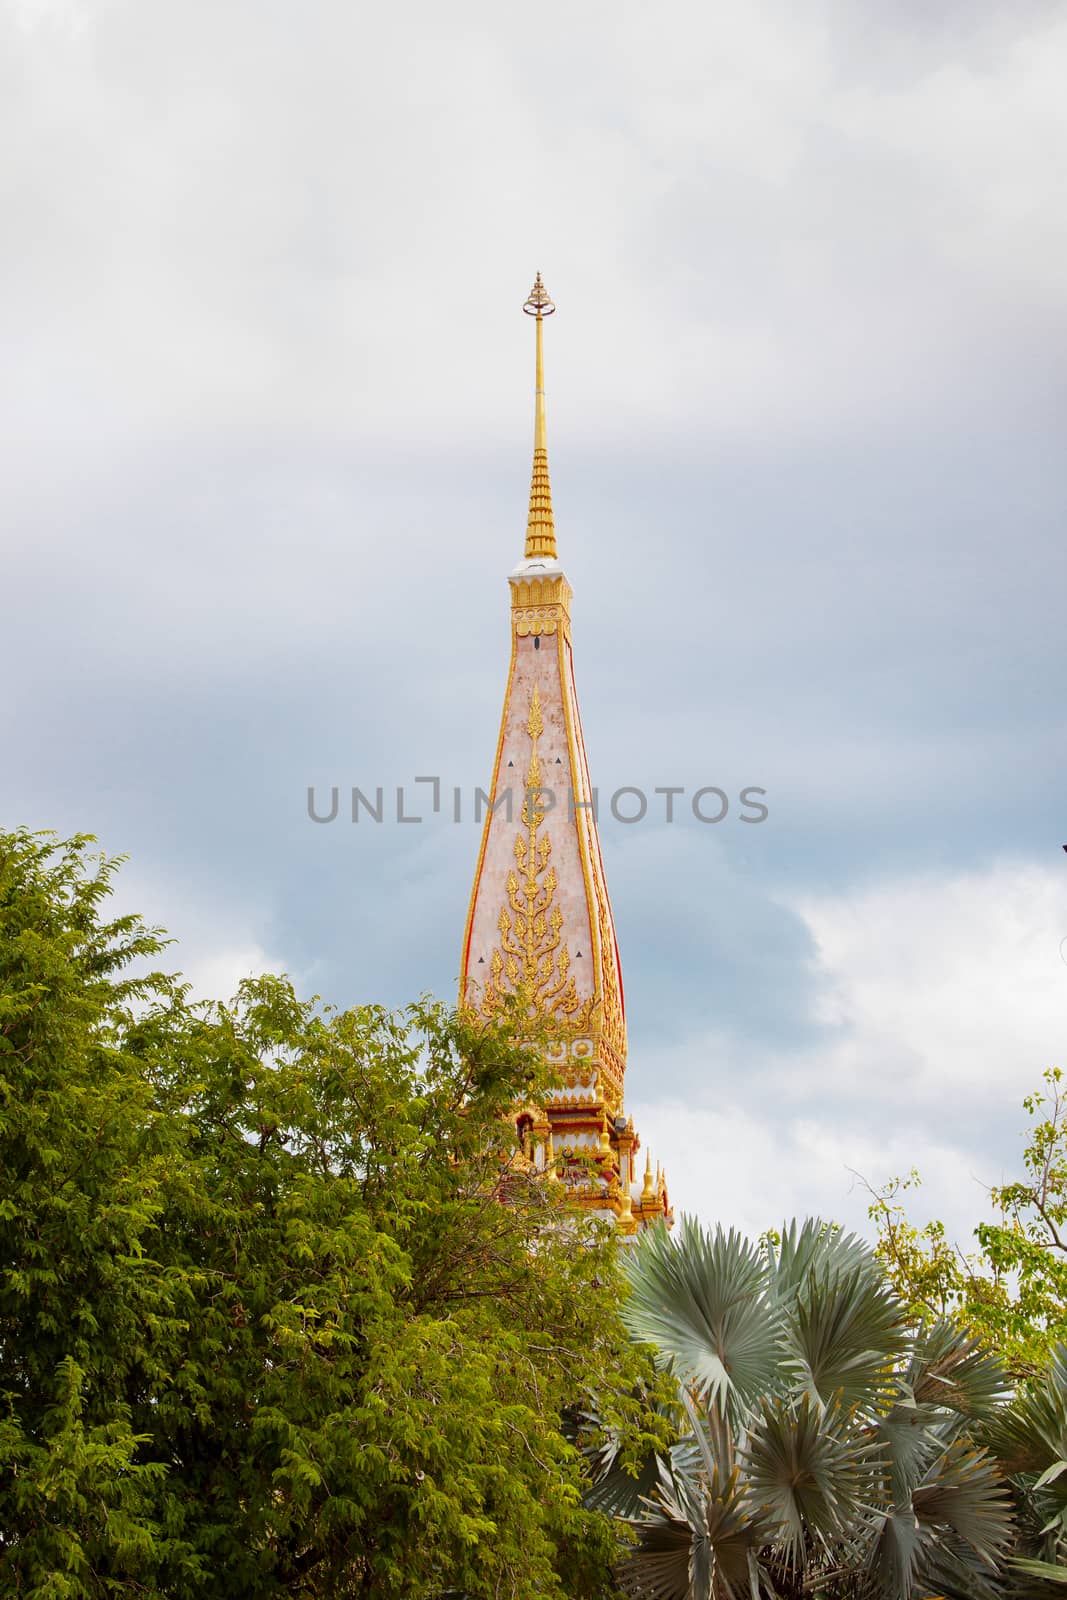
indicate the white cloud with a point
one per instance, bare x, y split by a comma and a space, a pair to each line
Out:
944, 999
944, 986
67, 17
214, 938
214, 974
751, 1169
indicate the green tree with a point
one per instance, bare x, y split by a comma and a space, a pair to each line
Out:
84, 1163
278, 1314
1012, 1289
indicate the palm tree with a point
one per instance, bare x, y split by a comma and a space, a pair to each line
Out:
826, 1449
1029, 1439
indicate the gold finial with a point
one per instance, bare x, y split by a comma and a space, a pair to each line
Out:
538, 305
648, 1193
540, 525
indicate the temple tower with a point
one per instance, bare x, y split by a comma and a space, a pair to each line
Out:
540, 923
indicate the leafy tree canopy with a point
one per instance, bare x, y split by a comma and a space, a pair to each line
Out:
1012, 1289
267, 1325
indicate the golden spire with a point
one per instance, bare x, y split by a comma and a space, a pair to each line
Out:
540, 528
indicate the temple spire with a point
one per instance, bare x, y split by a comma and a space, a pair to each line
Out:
540, 527
540, 937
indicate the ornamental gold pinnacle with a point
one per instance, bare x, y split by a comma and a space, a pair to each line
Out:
540, 525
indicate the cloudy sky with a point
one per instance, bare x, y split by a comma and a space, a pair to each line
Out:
265, 433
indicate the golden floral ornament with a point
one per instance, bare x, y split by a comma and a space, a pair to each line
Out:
532, 959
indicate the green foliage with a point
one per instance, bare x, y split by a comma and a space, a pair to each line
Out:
1029, 1438
1011, 1290
83, 1311
831, 1450
276, 1315
837, 1445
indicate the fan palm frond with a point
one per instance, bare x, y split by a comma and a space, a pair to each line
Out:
948, 1569
950, 1371
809, 1472
964, 1493
669, 1561
844, 1332
893, 1558
811, 1247
702, 1302
947, 1535
1028, 1437
1046, 1572
698, 1540
948, 1383
1030, 1434
909, 1448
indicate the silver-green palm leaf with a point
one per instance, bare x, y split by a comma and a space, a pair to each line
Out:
810, 1472
830, 1449
703, 1302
